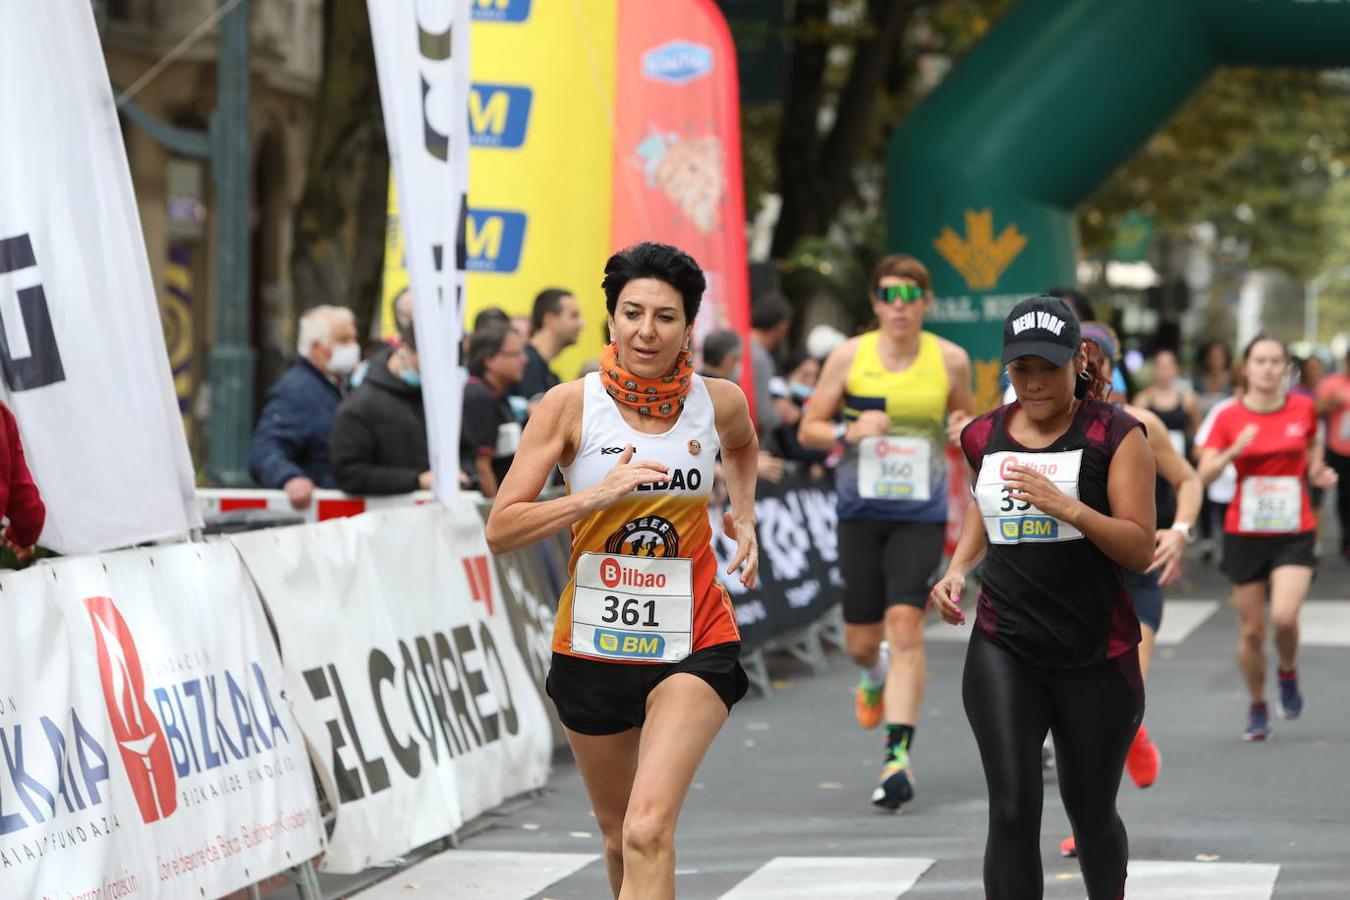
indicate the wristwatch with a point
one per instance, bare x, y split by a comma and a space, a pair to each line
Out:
1186, 529
840, 431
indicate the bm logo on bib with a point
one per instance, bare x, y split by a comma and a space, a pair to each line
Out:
627, 643
1030, 528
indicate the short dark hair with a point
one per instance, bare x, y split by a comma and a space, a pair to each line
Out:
548, 302
1203, 353
1261, 338
662, 262
720, 344
485, 343
1077, 301
490, 315
770, 311
900, 265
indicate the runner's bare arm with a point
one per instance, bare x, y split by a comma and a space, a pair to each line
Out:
740, 462
946, 594
1170, 544
1127, 534
959, 399
816, 430
551, 436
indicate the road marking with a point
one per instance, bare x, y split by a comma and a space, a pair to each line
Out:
1181, 617
831, 878
475, 874
1324, 623
1151, 880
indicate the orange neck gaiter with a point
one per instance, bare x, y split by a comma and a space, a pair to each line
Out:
661, 397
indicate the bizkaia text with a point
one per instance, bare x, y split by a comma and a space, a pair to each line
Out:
54, 768
440, 684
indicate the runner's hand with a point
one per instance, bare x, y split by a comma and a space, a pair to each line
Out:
1031, 486
747, 548
1167, 548
1244, 439
625, 477
946, 596
1325, 478
870, 423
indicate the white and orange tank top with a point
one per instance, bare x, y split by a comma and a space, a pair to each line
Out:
643, 585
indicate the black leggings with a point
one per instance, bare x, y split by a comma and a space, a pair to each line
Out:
1093, 713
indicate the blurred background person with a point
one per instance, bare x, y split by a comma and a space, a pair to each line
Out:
379, 440
20, 502
489, 431
721, 354
1171, 401
1333, 401
289, 450
770, 320
555, 325
1213, 376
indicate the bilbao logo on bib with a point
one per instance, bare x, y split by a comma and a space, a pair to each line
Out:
647, 536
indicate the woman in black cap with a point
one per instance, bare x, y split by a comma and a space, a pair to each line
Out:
1064, 491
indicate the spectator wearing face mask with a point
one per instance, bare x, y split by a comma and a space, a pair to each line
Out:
379, 440
289, 450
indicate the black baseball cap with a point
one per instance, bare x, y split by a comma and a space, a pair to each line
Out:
1041, 326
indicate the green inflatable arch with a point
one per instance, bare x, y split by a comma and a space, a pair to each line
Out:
985, 175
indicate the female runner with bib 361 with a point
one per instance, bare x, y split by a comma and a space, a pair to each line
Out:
1064, 503
645, 646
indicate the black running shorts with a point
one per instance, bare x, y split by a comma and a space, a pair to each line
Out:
597, 698
886, 564
1248, 558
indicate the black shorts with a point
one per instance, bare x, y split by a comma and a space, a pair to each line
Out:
1250, 557
886, 564
596, 697
1147, 595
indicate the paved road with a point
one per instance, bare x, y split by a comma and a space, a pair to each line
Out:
782, 798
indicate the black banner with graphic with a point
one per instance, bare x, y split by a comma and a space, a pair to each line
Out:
798, 558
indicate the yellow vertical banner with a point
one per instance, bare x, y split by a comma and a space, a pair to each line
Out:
540, 162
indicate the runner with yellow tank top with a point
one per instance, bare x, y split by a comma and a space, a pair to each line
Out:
646, 651
902, 392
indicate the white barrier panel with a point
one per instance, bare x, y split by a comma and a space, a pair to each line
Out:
148, 749
324, 505
404, 673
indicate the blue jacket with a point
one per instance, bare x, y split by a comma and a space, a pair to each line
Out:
292, 434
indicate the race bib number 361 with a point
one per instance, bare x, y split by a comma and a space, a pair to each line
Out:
1010, 521
633, 608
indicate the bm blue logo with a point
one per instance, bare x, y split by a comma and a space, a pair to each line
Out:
494, 240
627, 643
677, 62
1029, 528
501, 10
498, 115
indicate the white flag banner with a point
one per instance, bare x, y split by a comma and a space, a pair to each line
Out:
404, 674
81, 347
422, 58
150, 749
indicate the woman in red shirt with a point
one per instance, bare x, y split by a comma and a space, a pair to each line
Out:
1270, 437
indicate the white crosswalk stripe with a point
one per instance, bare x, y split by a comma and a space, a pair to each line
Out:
831, 878
479, 875
1325, 623
1150, 880
1182, 617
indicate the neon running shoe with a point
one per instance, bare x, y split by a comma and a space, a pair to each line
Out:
1290, 703
1144, 761
896, 786
1258, 723
867, 705
1068, 847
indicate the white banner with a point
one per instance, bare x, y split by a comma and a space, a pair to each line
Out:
148, 748
81, 347
422, 58
404, 673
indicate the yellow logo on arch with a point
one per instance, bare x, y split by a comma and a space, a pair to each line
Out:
980, 257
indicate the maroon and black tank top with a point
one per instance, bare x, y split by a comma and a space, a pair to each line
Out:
1048, 594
